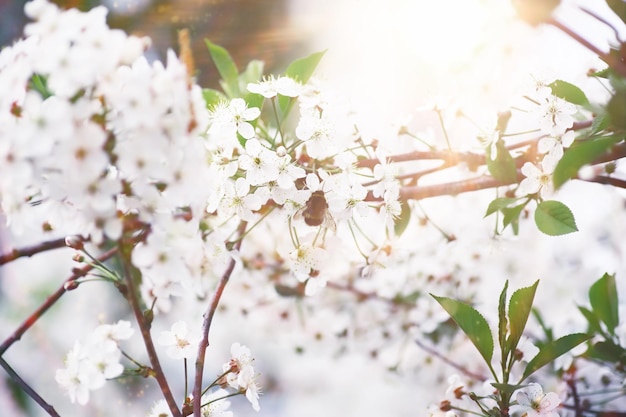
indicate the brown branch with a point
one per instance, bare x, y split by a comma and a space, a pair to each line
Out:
451, 158
455, 365
51, 300
206, 324
611, 60
28, 389
420, 192
602, 179
133, 298
14, 254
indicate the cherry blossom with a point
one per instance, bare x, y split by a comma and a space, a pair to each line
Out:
270, 87
537, 180
242, 375
179, 341
555, 115
534, 403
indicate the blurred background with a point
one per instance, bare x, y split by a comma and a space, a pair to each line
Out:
391, 57
249, 29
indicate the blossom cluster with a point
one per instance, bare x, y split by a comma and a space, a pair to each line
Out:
91, 362
555, 118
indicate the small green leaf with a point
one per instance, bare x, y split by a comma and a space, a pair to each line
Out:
252, 73
554, 218
508, 388
254, 100
472, 323
212, 97
616, 108
39, 84
401, 222
569, 92
511, 216
226, 68
503, 167
502, 321
592, 319
579, 155
600, 122
604, 301
498, 204
519, 310
607, 351
553, 350
300, 70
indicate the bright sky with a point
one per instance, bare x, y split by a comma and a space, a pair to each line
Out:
399, 56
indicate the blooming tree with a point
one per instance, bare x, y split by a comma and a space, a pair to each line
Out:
172, 194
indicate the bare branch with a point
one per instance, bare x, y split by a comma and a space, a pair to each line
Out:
206, 325
28, 389
133, 298
31, 250
37, 314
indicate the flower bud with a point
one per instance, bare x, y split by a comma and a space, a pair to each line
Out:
71, 285
74, 242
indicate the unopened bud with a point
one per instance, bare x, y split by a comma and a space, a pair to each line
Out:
281, 151
445, 405
74, 242
70, 285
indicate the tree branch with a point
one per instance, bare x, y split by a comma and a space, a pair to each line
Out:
133, 299
28, 389
31, 250
67, 284
456, 366
206, 325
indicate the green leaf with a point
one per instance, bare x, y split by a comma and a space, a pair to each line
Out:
503, 167
226, 68
498, 204
592, 319
607, 351
519, 310
554, 218
400, 223
508, 388
569, 92
604, 301
254, 100
300, 70
39, 84
616, 108
511, 216
472, 323
578, 155
502, 322
619, 8
553, 350
212, 97
252, 73
600, 122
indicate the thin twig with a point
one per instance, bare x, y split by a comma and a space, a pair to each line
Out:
28, 389
32, 250
455, 365
611, 60
133, 299
77, 273
206, 325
